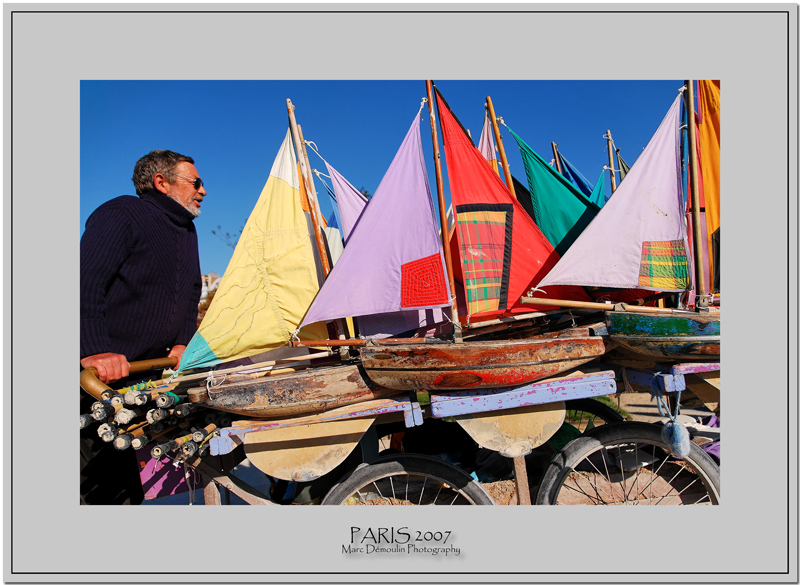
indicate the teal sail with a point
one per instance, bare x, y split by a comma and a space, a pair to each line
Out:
596, 193
560, 210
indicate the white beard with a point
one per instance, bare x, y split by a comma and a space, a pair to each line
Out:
195, 211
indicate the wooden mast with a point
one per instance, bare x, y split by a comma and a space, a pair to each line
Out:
312, 194
611, 161
298, 144
302, 157
500, 149
701, 300
555, 154
448, 260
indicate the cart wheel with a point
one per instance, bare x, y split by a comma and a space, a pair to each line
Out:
628, 463
407, 480
587, 413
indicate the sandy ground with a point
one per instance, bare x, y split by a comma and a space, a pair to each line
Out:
644, 408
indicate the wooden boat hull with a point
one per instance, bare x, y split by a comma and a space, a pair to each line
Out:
474, 364
677, 336
292, 394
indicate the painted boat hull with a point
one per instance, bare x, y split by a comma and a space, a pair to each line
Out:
490, 364
291, 394
387, 370
677, 336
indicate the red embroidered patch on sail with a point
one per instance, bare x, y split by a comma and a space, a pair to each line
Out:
422, 283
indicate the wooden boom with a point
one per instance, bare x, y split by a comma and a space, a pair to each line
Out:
598, 306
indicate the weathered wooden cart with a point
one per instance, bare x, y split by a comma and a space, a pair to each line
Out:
338, 449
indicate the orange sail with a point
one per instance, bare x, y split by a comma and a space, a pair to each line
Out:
708, 143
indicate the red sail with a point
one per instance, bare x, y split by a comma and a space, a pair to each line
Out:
503, 254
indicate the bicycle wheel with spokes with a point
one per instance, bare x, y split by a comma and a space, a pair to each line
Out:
407, 480
628, 463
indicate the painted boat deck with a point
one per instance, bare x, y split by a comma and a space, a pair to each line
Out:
675, 336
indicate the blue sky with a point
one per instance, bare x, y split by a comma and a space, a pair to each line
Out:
233, 130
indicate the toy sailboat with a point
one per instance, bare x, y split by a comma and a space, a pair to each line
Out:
639, 242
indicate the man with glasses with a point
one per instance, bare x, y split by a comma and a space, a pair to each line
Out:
140, 283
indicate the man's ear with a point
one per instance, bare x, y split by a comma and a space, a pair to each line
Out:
161, 183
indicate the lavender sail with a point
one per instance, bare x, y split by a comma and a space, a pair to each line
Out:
393, 260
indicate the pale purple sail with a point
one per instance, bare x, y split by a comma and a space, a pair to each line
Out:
638, 239
350, 202
393, 260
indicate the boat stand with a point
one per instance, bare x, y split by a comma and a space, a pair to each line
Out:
224, 454
705, 386
215, 473
675, 381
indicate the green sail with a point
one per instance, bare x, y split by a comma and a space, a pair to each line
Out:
560, 210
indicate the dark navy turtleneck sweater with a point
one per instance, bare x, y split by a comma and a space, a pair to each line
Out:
140, 277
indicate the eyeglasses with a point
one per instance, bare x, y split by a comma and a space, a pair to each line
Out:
197, 182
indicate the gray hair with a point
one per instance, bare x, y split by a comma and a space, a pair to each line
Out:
156, 162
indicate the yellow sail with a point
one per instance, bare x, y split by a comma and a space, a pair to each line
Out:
270, 281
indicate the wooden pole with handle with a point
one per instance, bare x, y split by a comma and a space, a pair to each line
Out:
701, 300
92, 384
499, 140
448, 260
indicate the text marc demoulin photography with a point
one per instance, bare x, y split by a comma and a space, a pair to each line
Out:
403, 540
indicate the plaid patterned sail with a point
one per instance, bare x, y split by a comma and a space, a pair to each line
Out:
638, 239
485, 248
664, 265
496, 268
